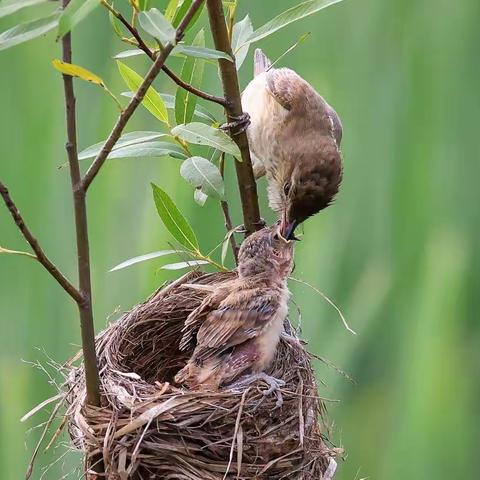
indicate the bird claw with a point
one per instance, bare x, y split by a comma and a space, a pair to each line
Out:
239, 124
274, 385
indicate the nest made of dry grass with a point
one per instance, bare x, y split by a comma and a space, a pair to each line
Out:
147, 428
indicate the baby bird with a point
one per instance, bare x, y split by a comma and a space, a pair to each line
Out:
294, 138
238, 325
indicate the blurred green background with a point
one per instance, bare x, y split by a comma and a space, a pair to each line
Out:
398, 251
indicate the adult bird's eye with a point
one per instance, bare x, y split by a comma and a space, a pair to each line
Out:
286, 188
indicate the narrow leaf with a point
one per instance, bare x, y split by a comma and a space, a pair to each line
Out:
192, 73
76, 11
77, 71
8, 7
154, 23
199, 197
28, 31
152, 100
148, 149
241, 31
289, 16
173, 219
171, 9
200, 52
169, 100
182, 10
226, 243
129, 53
201, 173
16, 252
142, 258
201, 134
132, 138
187, 264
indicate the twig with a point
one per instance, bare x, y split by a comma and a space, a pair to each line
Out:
152, 55
138, 97
81, 228
226, 213
231, 90
39, 253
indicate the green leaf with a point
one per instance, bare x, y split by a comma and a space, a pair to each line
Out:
200, 52
143, 4
171, 9
173, 219
142, 258
289, 16
169, 100
192, 73
202, 134
132, 138
16, 252
28, 31
183, 10
241, 31
187, 264
154, 23
148, 149
76, 11
152, 100
226, 243
201, 173
7, 7
199, 197
129, 53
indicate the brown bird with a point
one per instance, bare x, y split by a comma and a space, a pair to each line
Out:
294, 138
238, 325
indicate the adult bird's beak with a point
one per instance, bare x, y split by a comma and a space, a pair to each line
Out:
287, 229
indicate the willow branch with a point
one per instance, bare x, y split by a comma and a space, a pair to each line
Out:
138, 97
87, 327
231, 90
39, 253
152, 55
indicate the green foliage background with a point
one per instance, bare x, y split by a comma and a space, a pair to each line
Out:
399, 250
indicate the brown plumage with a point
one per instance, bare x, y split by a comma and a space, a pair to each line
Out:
294, 138
237, 327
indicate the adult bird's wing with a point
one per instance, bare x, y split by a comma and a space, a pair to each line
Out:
261, 62
240, 317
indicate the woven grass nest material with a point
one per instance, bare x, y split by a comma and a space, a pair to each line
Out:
148, 428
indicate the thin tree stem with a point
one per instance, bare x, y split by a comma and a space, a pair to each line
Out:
81, 227
137, 98
226, 213
152, 55
231, 90
39, 253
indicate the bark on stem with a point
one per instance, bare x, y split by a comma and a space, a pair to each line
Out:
231, 89
81, 227
137, 98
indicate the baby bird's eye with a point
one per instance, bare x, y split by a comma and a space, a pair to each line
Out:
286, 188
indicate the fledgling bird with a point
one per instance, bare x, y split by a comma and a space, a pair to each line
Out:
238, 325
294, 138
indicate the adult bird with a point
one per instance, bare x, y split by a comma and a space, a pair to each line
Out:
237, 327
294, 137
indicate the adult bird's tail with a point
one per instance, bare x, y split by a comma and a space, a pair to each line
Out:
261, 63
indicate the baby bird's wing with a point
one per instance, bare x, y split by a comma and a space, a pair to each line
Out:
240, 317
197, 316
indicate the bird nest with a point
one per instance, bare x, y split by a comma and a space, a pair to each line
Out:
148, 428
